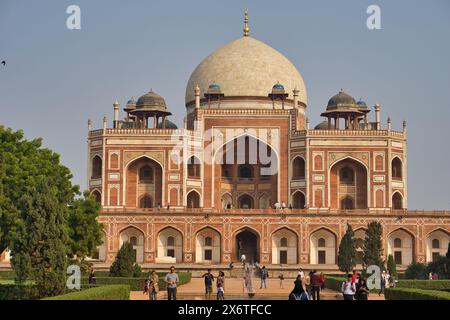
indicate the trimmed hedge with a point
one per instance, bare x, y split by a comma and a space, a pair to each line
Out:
18, 292
113, 292
415, 294
137, 284
334, 283
424, 284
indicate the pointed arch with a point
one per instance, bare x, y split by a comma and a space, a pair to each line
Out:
284, 246
397, 200
193, 199
298, 199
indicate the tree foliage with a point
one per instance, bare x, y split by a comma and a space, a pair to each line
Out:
39, 219
124, 265
347, 251
84, 233
391, 265
373, 247
40, 247
416, 270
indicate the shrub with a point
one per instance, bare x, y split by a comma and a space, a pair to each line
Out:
18, 292
137, 284
123, 266
416, 271
425, 284
440, 267
137, 271
113, 292
415, 294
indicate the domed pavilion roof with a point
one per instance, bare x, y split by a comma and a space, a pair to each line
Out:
246, 67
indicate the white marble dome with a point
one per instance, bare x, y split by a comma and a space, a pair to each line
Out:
246, 67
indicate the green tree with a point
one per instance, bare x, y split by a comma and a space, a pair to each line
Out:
392, 266
85, 233
372, 246
23, 164
347, 251
123, 266
415, 271
440, 267
40, 249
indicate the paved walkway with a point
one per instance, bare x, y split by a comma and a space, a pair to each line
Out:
234, 289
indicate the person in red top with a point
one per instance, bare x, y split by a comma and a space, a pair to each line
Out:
354, 276
322, 281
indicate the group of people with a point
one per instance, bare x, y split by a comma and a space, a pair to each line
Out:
151, 286
355, 287
306, 286
220, 285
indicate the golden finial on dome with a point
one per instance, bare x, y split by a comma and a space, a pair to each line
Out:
246, 29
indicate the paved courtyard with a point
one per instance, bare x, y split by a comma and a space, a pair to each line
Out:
234, 289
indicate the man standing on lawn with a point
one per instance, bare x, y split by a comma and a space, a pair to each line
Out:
172, 281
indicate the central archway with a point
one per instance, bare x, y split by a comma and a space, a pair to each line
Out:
348, 185
144, 181
247, 243
249, 164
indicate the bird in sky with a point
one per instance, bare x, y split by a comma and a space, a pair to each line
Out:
4, 63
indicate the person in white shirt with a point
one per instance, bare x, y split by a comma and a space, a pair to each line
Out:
348, 288
301, 274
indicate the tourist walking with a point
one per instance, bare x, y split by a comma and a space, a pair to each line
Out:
172, 281
221, 286
153, 285
315, 285
209, 279
298, 293
92, 279
384, 282
264, 276
307, 283
362, 291
348, 288
301, 273
281, 277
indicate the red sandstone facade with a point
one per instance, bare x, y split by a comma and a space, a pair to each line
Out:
206, 193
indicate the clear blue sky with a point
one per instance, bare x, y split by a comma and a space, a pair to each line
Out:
55, 78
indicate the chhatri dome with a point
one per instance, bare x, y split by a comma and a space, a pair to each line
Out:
246, 67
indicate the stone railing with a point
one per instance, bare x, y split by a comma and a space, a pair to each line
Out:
352, 133
277, 212
143, 131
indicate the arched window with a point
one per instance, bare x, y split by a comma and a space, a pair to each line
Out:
145, 202
397, 243
298, 200
396, 168
321, 242
208, 241
193, 167
193, 200
97, 195
298, 169
134, 241
283, 242
96, 167
435, 244
146, 174
346, 176
245, 202
171, 241
347, 203
245, 172
397, 201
